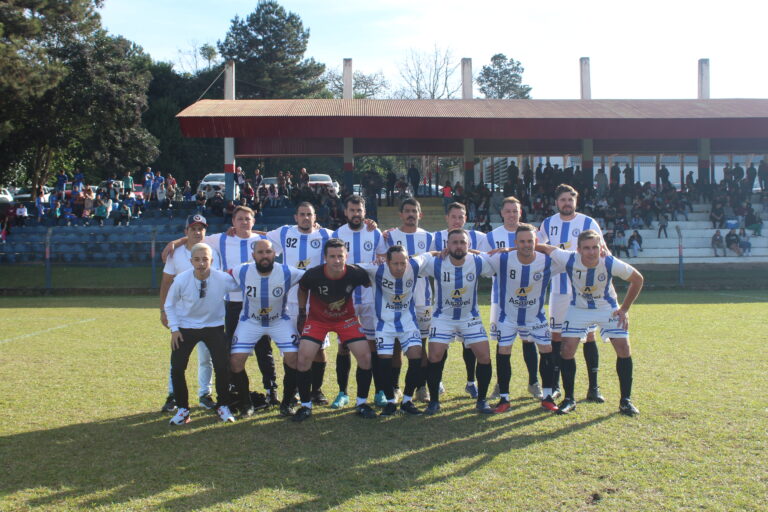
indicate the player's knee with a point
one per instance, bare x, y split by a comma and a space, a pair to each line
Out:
544, 349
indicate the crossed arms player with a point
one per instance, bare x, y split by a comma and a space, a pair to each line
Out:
329, 288
594, 302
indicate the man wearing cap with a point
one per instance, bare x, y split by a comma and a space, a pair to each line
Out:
176, 263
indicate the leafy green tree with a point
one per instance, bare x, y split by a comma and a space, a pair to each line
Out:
503, 79
209, 53
268, 48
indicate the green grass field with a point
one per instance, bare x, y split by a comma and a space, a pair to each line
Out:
84, 379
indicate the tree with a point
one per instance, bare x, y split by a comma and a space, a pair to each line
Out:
363, 85
209, 53
503, 79
268, 48
429, 75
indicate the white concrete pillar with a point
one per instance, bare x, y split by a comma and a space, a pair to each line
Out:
469, 144
229, 142
466, 79
347, 76
586, 83
703, 79
349, 158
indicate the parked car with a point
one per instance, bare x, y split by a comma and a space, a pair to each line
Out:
322, 180
212, 183
5, 196
24, 195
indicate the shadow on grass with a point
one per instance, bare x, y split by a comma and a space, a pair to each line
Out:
319, 464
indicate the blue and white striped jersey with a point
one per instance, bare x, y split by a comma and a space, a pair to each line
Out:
300, 250
233, 252
392, 297
564, 234
477, 240
523, 287
265, 296
592, 288
415, 243
361, 248
496, 239
456, 286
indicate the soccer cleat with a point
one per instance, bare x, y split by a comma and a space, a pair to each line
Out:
410, 408
567, 406
389, 410
319, 398
594, 396
482, 407
471, 389
422, 394
365, 411
535, 391
287, 409
170, 404
627, 408
556, 394
549, 404
302, 414
442, 388
380, 399
225, 414
495, 395
247, 412
272, 397
340, 401
398, 395
432, 408
207, 402
181, 417
502, 406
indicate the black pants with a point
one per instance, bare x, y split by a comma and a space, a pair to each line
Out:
263, 348
214, 339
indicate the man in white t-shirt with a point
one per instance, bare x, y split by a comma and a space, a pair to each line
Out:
594, 302
175, 264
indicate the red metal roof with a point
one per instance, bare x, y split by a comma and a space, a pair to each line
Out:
313, 126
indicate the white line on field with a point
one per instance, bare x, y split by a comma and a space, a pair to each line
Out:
46, 330
742, 296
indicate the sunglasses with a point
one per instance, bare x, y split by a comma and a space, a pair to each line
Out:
203, 286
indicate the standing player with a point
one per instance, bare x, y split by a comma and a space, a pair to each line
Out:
302, 247
416, 241
456, 218
195, 314
361, 245
594, 302
329, 288
264, 288
523, 277
504, 237
175, 264
457, 316
562, 230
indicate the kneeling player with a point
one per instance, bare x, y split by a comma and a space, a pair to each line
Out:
264, 313
523, 278
595, 302
329, 289
456, 316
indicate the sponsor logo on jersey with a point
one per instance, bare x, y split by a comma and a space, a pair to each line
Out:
421, 244
470, 277
302, 264
337, 305
277, 291
575, 232
409, 283
368, 245
264, 311
315, 244
524, 291
601, 277
457, 293
537, 276
397, 298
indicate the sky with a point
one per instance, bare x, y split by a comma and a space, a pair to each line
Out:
637, 49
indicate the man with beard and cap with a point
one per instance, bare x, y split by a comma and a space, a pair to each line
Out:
264, 287
457, 315
456, 217
562, 230
361, 244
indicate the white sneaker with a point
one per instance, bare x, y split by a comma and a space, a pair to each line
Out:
535, 391
398, 395
181, 417
442, 388
225, 414
422, 394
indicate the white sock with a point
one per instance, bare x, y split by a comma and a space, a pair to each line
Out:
505, 396
546, 392
406, 399
470, 383
361, 401
391, 401
307, 404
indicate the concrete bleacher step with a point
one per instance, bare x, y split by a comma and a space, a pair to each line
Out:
670, 260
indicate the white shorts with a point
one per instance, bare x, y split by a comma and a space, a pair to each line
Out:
249, 332
367, 318
538, 333
423, 319
385, 340
578, 321
559, 304
468, 331
293, 312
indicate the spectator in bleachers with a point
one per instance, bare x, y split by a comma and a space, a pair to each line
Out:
188, 193
128, 186
54, 214
61, 183
247, 193
717, 216
122, 215
744, 244
201, 204
602, 183
753, 221
229, 210
620, 243
635, 243
102, 213
21, 215
663, 222
732, 241
762, 174
718, 242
